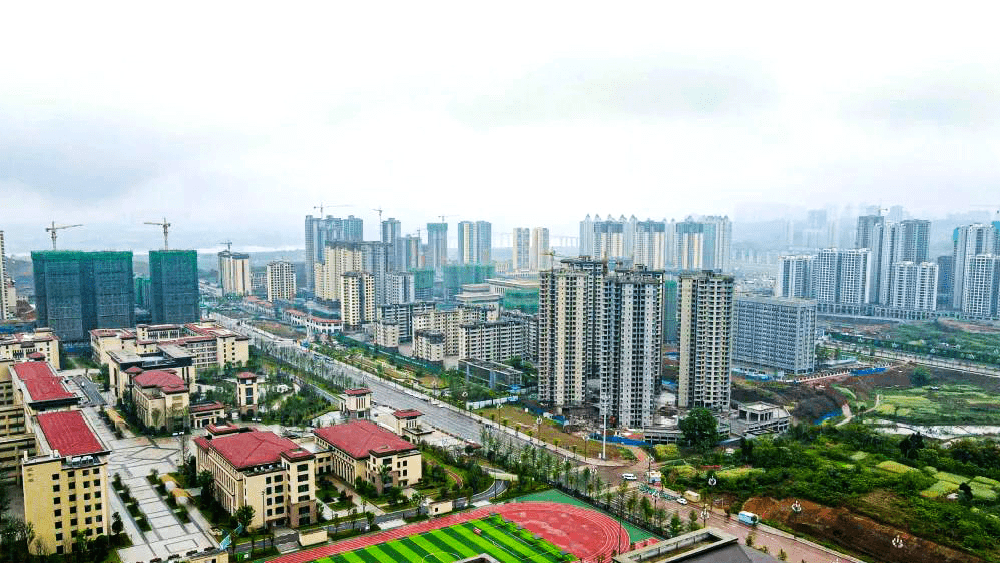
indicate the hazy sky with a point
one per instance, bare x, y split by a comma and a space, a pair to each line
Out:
234, 120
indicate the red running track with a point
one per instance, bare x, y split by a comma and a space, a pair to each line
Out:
586, 533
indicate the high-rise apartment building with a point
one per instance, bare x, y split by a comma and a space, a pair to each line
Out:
629, 316
718, 237
357, 305
401, 288
795, 277
343, 257
437, 246
4, 306
281, 281
775, 334
842, 276
413, 256
689, 244
946, 273
906, 241
705, 321
970, 241
474, 242
174, 280
540, 257
650, 244
981, 287
520, 259
76, 292
914, 286
321, 230
703, 244
567, 330
392, 237
234, 273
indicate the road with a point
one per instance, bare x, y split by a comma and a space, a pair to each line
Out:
918, 359
91, 390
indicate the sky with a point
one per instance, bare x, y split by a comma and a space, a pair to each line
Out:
234, 120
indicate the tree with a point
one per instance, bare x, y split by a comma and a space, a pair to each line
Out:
244, 515
920, 376
965, 492
370, 517
633, 500
4, 499
205, 480
116, 524
700, 429
692, 520
675, 525
746, 450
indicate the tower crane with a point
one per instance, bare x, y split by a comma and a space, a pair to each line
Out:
54, 229
166, 227
321, 206
379, 210
229, 245
443, 217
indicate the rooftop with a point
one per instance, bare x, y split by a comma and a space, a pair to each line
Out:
358, 391
41, 382
250, 449
206, 407
407, 413
246, 375
361, 438
41, 335
166, 380
68, 433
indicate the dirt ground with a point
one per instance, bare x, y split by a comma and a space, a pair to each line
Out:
856, 533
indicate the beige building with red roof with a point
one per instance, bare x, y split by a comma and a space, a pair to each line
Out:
66, 484
210, 345
361, 449
19, 346
161, 399
274, 475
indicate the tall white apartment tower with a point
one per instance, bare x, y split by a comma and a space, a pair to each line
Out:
474, 242
914, 286
854, 277
587, 235
970, 241
234, 273
629, 314
280, 281
825, 275
982, 286
567, 330
521, 258
705, 321
540, 257
718, 237
650, 244
392, 237
795, 277
4, 306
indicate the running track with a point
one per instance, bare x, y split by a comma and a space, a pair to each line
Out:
583, 532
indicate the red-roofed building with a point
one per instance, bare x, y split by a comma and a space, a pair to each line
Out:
406, 422
361, 448
20, 346
247, 397
261, 469
37, 387
160, 398
66, 481
207, 414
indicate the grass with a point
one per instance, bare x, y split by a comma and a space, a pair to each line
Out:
950, 404
950, 477
939, 489
501, 540
894, 467
550, 430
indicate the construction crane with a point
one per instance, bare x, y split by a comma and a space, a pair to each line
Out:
166, 227
379, 210
443, 217
552, 258
55, 229
229, 245
321, 206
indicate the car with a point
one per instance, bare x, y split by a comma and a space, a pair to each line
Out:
628, 476
682, 500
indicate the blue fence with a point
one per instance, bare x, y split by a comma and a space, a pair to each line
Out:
827, 416
868, 371
619, 440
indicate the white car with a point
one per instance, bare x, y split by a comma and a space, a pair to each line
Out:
628, 476
682, 500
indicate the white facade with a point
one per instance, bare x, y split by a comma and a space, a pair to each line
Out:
981, 289
475, 242
357, 303
496, 341
914, 286
429, 345
234, 273
449, 323
854, 277
340, 258
4, 305
387, 334
540, 257
795, 277
521, 258
970, 241
280, 281
401, 288
650, 244
705, 326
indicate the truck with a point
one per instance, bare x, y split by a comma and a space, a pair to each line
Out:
692, 496
748, 518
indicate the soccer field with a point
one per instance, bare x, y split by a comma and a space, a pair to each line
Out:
504, 541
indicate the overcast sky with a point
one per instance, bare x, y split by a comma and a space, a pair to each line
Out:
233, 121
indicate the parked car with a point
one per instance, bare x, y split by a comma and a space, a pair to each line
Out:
682, 500
628, 476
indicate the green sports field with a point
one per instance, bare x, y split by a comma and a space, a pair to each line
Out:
504, 541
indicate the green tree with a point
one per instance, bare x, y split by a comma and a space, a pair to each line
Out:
676, 526
205, 481
116, 524
370, 517
700, 429
244, 515
920, 376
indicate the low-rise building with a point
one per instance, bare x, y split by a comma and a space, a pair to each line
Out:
19, 346
407, 425
66, 482
757, 418
274, 475
356, 403
362, 449
161, 399
207, 414
247, 393
121, 364
210, 345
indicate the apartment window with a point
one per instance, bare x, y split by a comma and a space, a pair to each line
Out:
86, 496
70, 473
97, 507
59, 538
57, 513
304, 498
278, 478
72, 510
85, 472
267, 480
58, 524
56, 500
98, 518
97, 482
73, 522
88, 520
55, 488
279, 489
279, 510
72, 484
303, 510
304, 477
72, 498
97, 494
55, 476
